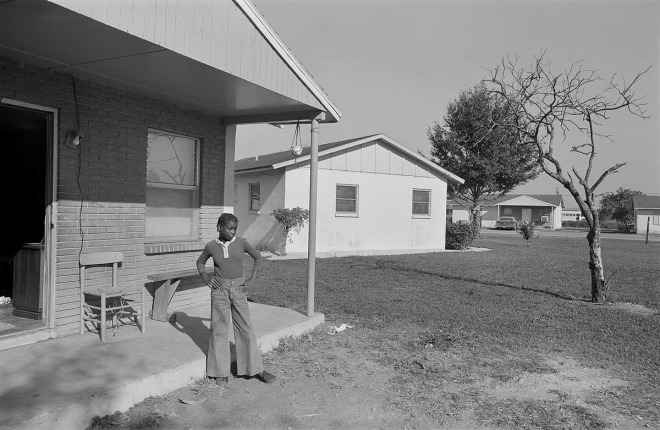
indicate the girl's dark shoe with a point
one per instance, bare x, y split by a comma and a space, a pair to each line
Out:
265, 377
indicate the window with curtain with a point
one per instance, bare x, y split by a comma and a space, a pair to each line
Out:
255, 196
172, 186
421, 202
346, 200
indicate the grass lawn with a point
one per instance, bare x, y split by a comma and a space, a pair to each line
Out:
504, 338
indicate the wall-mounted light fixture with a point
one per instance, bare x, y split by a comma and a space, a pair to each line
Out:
73, 138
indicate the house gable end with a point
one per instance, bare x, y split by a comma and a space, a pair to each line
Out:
524, 201
375, 157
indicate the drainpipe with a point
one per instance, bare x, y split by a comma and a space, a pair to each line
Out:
311, 244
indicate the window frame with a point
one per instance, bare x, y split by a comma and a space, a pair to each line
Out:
507, 211
195, 188
353, 214
421, 215
250, 200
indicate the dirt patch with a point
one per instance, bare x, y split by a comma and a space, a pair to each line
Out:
566, 380
570, 385
399, 377
634, 309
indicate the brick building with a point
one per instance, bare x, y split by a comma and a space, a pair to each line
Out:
156, 91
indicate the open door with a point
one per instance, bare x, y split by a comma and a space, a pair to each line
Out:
26, 175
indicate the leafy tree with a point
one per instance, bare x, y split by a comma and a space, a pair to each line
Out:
618, 205
475, 143
293, 219
545, 107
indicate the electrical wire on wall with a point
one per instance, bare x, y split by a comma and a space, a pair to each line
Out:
82, 233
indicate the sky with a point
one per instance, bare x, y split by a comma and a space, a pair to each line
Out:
393, 66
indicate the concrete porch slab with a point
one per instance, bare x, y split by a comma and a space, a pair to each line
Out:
63, 383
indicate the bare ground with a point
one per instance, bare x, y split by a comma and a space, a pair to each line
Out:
364, 378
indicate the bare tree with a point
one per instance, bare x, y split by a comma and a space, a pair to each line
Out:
545, 108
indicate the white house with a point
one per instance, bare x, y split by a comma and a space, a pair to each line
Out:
647, 212
572, 214
374, 194
544, 210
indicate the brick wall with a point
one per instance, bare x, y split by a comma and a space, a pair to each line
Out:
107, 172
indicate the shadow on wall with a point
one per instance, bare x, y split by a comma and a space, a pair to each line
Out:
272, 240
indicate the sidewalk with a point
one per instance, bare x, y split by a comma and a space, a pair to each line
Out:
63, 383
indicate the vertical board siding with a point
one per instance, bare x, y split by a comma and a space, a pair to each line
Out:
382, 159
354, 159
369, 158
408, 167
139, 19
375, 157
339, 160
216, 33
150, 20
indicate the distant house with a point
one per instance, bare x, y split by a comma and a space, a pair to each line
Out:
647, 212
544, 210
374, 194
572, 214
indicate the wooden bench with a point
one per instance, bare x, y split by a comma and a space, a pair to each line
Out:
165, 291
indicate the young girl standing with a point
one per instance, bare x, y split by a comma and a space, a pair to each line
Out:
229, 302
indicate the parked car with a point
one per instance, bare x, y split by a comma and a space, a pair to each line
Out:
506, 223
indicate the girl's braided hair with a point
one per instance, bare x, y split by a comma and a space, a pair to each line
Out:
226, 219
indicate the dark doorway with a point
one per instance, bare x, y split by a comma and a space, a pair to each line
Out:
24, 173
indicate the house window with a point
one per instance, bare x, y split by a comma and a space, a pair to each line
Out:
421, 202
347, 199
172, 186
656, 219
255, 196
507, 211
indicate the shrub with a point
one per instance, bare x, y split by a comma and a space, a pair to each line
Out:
526, 230
292, 219
460, 235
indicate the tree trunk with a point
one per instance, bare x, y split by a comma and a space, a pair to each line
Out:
598, 286
284, 239
475, 217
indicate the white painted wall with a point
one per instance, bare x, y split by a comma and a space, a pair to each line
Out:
384, 221
460, 215
641, 218
260, 228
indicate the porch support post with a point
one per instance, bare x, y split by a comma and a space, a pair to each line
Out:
311, 244
230, 151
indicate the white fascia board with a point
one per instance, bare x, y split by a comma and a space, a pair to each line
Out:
278, 45
257, 170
